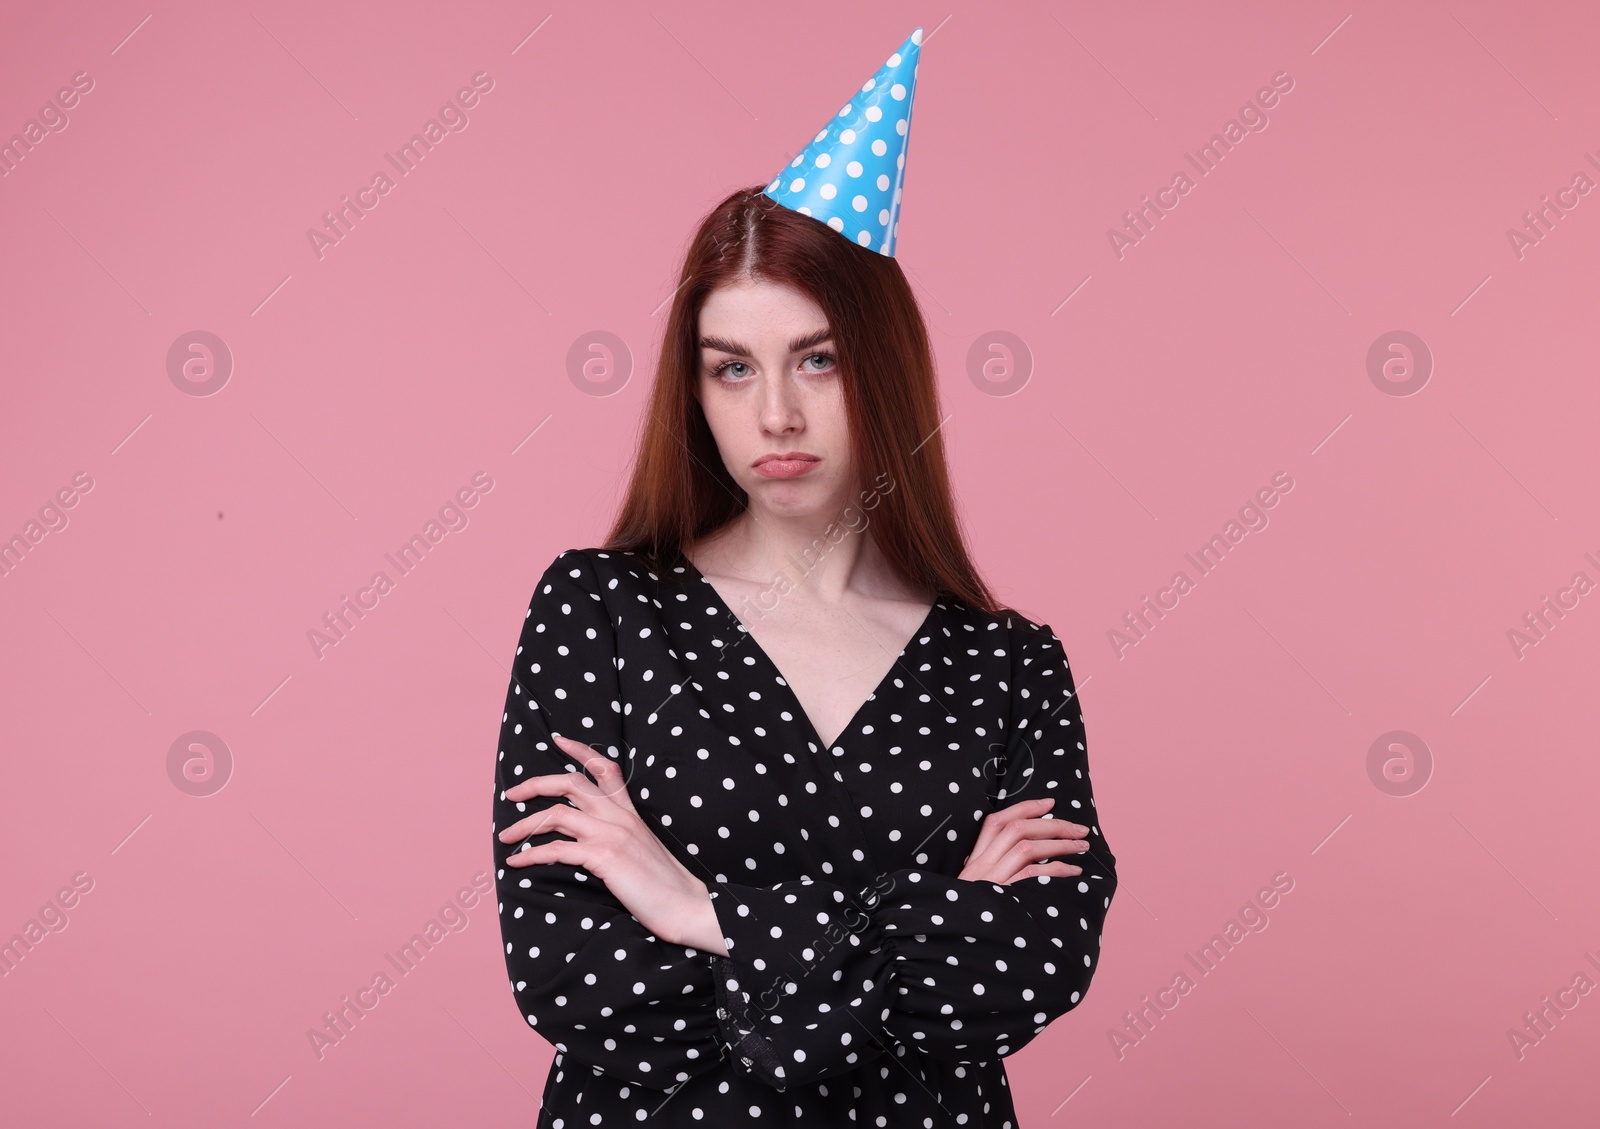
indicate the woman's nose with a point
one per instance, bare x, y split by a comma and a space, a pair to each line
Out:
780, 406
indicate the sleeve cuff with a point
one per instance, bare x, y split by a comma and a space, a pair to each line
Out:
792, 935
749, 1050
803, 989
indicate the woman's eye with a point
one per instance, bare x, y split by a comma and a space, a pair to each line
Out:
728, 369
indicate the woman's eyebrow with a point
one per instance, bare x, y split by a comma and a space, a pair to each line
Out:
724, 345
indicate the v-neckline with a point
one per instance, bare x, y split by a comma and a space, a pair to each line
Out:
783, 679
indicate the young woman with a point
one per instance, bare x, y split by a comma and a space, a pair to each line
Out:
793, 822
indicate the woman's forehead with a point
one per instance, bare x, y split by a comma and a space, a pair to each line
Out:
753, 305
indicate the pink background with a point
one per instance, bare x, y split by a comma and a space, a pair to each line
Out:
1230, 745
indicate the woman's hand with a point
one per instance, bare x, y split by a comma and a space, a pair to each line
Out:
1014, 839
612, 842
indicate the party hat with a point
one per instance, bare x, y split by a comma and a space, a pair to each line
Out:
849, 177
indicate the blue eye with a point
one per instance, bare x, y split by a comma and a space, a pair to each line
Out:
718, 372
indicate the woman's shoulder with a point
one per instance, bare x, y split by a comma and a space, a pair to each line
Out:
587, 586
1007, 636
1032, 641
607, 569
1005, 619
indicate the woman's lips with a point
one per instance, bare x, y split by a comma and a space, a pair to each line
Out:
786, 468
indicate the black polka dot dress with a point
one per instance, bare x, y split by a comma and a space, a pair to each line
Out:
865, 984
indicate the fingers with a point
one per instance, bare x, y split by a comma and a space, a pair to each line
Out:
996, 822
558, 817
1047, 829
1028, 811
1026, 852
572, 784
1023, 808
1027, 820
607, 784
607, 775
560, 850
1045, 870
1010, 868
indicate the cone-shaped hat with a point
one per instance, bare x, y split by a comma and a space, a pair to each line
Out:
849, 177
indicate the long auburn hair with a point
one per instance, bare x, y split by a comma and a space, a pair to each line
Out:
680, 491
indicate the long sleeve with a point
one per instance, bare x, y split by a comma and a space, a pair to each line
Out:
586, 974
819, 979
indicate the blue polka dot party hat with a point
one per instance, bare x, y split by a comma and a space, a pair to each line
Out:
849, 177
